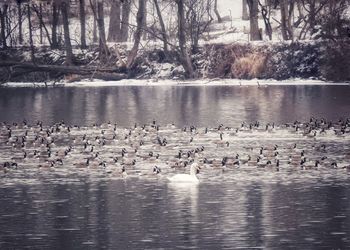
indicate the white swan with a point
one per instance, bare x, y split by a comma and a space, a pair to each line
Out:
186, 178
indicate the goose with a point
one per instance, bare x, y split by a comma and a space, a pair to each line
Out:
19, 158
216, 163
8, 165
156, 170
82, 164
94, 163
187, 178
341, 166
278, 165
311, 134
244, 160
309, 166
47, 164
262, 164
128, 162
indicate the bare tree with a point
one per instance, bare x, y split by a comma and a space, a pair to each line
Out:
138, 33
3, 14
216, 11
126, 8
266, 14
145, 27
30, 34
42, 24
82, 24
67, 42
184, 54
20, 31
245, 15
55, 16
162, 26
287, 8
197, 20
93, 6
101, 30
114, 31
40, 15
255, 33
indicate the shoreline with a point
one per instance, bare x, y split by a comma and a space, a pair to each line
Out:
167, 82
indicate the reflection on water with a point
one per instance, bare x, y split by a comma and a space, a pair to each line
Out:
184, 202
203, 106
137, 214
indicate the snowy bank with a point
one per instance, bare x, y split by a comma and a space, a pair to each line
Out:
200, 82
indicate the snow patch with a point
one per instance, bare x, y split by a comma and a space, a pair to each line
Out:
202, 82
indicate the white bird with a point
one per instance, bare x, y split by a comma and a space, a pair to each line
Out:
187, 178
124, 173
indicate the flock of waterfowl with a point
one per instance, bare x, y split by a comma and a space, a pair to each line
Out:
153, 149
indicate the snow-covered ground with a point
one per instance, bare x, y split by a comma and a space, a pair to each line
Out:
201, 82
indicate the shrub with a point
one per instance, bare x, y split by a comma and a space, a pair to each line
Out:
335, 61
296, 60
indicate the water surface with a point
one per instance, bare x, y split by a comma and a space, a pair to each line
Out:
182, 105
85, 213
59, 209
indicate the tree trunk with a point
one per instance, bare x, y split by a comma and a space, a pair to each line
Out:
184, 55
94, 31
101, 31
290, 20
97, 73
67, 42
286, 19
40, 23
138, 33
265, 12
162, 26
30, 35
82, 24
3, 14
255, 34
125, 20
8, 26
55, 14
144, 26
20, 31
114, 23
245, 15
217, 12
312, 16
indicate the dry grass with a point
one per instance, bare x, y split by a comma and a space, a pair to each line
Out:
249, 66
221, 57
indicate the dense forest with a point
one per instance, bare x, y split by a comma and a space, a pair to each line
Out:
45, 40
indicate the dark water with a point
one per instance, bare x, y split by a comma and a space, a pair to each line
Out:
139, 214
241, 210
203, 106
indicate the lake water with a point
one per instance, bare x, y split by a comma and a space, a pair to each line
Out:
243, 209
186, 105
